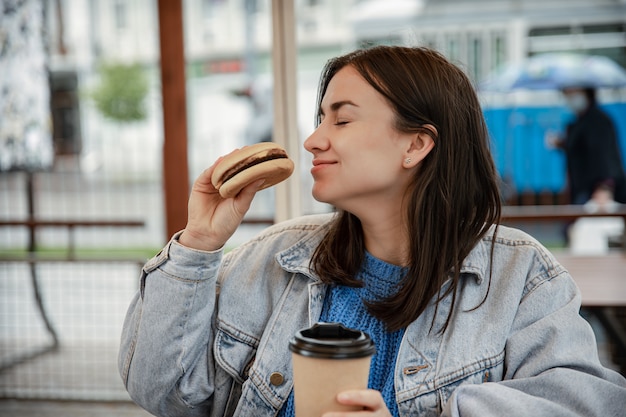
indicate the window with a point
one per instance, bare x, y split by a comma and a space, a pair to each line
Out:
475, 56
119, 14
453, 47
498, 50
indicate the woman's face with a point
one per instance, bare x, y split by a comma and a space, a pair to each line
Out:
358, 156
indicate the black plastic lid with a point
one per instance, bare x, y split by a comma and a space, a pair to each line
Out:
332, 341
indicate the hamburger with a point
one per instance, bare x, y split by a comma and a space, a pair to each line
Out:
264, 160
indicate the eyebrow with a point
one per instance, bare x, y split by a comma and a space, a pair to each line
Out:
334, 107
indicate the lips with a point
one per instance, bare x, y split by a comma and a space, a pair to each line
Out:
319, 164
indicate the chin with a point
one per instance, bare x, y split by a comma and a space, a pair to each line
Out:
320, 196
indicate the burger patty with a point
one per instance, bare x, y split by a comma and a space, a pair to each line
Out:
252, 161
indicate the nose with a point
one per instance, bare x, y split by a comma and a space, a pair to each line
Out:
316, 141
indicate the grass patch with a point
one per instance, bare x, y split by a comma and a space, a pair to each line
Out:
54, 253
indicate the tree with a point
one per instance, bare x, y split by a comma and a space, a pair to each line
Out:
121, 93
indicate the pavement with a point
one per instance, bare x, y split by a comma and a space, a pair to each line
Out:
37, 408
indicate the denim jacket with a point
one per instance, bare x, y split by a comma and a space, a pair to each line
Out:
207, 334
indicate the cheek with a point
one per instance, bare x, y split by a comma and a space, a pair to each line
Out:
375, 172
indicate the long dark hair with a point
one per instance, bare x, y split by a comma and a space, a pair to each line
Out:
453, 198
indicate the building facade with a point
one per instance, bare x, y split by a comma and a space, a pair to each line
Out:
228, 54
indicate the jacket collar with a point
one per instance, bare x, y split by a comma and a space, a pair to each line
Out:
478, 260
297, 258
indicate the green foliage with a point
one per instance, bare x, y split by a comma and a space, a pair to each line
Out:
121, 93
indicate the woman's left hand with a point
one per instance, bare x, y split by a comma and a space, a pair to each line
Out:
371, 401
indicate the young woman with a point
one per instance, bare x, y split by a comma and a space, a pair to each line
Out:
469, 319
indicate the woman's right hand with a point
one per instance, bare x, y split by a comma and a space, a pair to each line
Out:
212, 219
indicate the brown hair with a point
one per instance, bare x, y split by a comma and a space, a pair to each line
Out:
453, 198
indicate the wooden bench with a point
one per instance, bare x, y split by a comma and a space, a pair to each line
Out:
568, 214
32, 257
561, 213
70, 225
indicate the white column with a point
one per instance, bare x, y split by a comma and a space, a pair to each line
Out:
285, 133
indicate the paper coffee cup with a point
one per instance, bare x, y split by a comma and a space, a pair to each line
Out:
328, 358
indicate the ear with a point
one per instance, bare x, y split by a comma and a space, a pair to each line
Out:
420, 146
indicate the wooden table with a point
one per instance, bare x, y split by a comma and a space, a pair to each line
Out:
602, 283
601, 278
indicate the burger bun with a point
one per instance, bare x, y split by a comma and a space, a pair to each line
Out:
265, 161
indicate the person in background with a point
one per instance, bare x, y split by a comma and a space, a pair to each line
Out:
592, 152
469, 318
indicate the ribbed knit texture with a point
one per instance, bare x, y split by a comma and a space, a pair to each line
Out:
345, 305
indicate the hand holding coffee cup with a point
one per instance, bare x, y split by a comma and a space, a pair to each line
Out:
328, 358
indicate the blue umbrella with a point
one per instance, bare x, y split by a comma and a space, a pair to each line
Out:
555, 71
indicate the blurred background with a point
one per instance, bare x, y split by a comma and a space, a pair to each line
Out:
82, 196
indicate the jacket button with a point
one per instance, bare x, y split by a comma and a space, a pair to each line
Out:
276, 378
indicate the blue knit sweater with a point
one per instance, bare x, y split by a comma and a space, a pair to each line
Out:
345, 305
